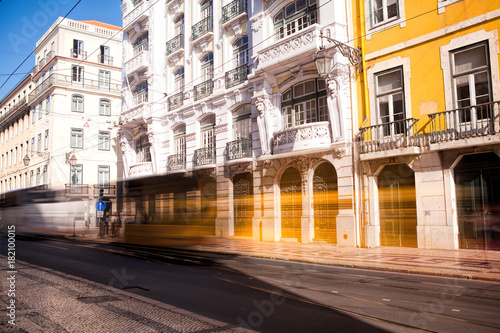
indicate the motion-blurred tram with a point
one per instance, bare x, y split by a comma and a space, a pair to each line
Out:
40, 211
167, 210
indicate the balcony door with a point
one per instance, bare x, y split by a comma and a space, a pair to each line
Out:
291, 204
477, 179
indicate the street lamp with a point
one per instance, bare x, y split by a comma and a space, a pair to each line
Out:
322, 60
72, 160
26, 160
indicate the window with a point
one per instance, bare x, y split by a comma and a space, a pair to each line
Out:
104, 107
390, 100
141, 93
179, 26
207, 132
46, 141
104, 79
103, 175
37, 176
39, 143
77, 76
45, 175
471, 76
76, 174
141, 44
295, 17
76, 138
180, 140
104, 138
77, 103
179, 80
207, 67
32, 146
77, 51
104, 57
33, 116
47, 105
242, 124
240, 51
15, 156
384, 10
142, 149
32, 178
304, 103
40, 112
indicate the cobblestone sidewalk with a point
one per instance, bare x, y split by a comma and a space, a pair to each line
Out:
50, 301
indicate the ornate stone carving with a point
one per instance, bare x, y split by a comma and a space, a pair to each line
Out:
268, 163
319, 131
256, 24
285, 47
339, 152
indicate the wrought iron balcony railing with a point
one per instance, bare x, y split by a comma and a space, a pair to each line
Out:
204, 156
107, 189
175, 44
79, 189
240, 148
79, 54
203, 89
472, 121
236, 76
203, 27
105, 59
176, 162
233, 9
175, 101
392, 135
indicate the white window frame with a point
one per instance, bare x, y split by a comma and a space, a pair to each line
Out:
104, 107
104, 140
372, 28
77, 100
103, 175
77, 171
104, 79
384, 66
77, 74
76, 138
476, 37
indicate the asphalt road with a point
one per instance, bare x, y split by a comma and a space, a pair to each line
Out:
277, 296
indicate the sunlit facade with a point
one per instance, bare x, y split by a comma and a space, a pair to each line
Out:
228, 92
429, 140
58, 126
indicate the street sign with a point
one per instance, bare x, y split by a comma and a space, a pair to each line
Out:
100, 205
100, 213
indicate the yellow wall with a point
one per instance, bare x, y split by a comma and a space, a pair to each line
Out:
422, 22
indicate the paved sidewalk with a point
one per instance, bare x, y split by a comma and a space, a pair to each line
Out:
470, 264
51, 301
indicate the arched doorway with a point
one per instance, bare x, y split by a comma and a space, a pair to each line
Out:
477, 179
291, 204
398, 207
243, 204
325, 203
208, 193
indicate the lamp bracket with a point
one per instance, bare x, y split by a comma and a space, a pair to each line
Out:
352, 54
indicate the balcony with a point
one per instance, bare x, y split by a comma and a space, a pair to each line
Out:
204, 156
175, 44
66, 81
236, 76
78, 54
43, 62
175, 101
306, 136
465, 123
396, 135
141, 97
202, 28
139, 62
141, 169
109, 190
138, 13
176, 162
203, 89
237, 149
105, 59
233, 10
76, 189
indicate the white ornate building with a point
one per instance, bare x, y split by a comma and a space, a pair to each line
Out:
240, 106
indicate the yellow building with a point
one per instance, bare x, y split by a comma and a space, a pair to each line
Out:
429, 141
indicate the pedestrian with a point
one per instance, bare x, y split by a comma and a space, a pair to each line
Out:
106, 223
115, 224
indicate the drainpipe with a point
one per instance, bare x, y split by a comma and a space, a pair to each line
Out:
366, 103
